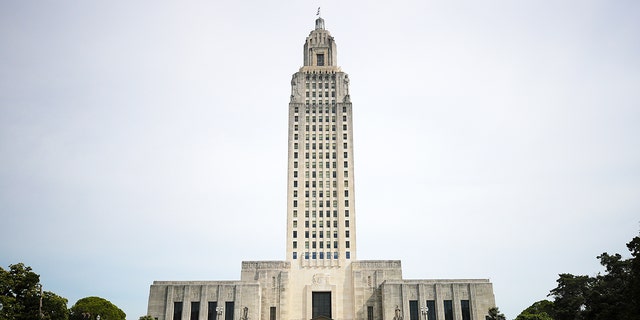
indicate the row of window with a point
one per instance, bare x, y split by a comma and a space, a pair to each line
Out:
326, 94
447, 306
320, 213
321, 244
319, 128
320, 118
319, 85
320, 76
320, 137
320, 203
320, 194
315, 234
313, 146
212, 310
320, 223
308, 109
321, 255
320, 184
319, 155
319, 174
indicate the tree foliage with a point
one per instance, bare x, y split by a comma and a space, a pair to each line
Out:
495, 314
91, 307
20, 294
146, 318
614, 294
541, 310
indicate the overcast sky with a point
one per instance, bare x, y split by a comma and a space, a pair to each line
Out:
147, 140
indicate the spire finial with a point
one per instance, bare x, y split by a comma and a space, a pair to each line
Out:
318, 14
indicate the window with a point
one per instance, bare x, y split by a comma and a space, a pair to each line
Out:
346, 233
228, 310
347, 245
295, 223
346, 203
348, 255
413, 310
177, 310
195, 310
314, 255
346, 223
369, 312
211, 310
295, 203
320, 60
295, 234
448, 310
346, 213
466, 312
272, 313
295, 244
431, 314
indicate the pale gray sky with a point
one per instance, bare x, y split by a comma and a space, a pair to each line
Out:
146, 140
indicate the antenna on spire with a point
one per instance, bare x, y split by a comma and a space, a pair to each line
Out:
318, 14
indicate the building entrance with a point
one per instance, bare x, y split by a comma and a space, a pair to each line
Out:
321, 304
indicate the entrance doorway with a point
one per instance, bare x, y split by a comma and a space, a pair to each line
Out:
321, 304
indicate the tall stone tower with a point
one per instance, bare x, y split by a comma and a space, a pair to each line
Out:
321, 206
321, 277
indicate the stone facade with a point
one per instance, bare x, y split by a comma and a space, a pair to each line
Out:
321, 278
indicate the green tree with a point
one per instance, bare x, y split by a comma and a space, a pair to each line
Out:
20, 295
495, 314
91, 307
541, 310
612, 294
570, 296
146, 318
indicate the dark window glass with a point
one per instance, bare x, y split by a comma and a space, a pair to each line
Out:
195, 310
177, 310
448, 310
272, 313
369, 313
295, 255
320, 60
431, 314
228, 310
321, 304
211, 311
413, 310
466, 312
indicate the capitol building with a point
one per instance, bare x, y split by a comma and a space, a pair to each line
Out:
321, 277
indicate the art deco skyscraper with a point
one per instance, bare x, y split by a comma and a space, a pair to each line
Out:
321, 278
320, 209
